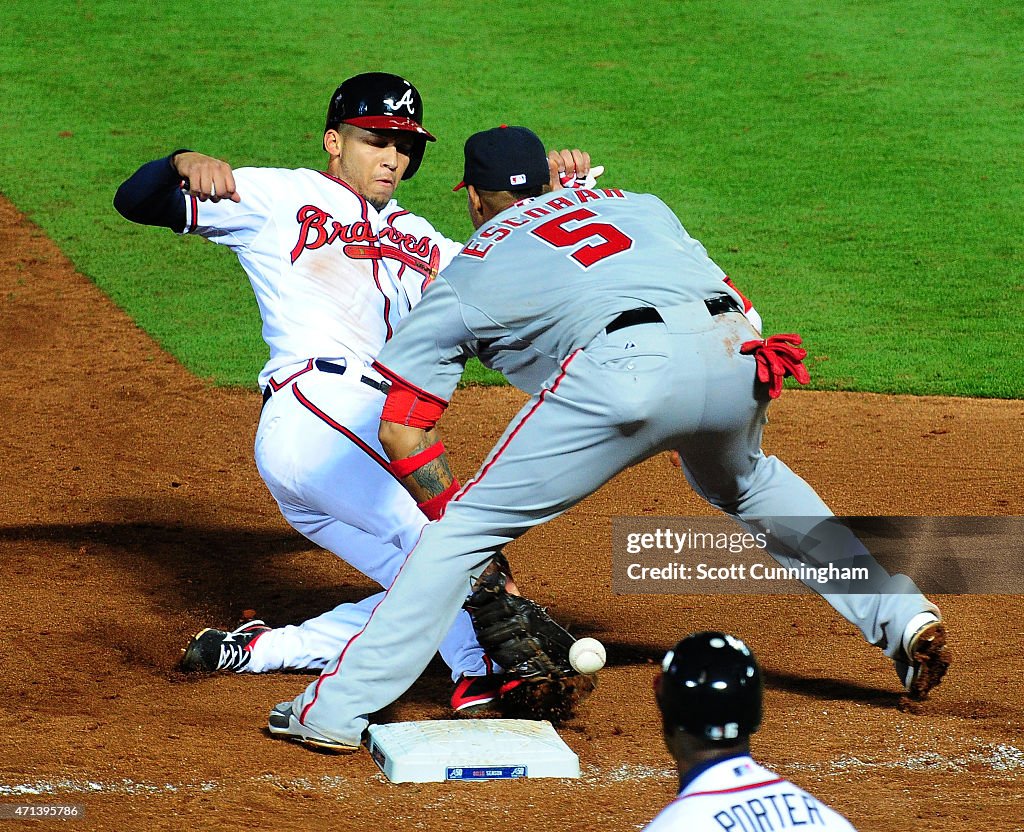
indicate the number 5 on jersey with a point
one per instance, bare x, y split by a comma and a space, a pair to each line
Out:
612, 241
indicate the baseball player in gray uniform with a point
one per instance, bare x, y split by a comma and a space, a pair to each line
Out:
600, 305
709, 693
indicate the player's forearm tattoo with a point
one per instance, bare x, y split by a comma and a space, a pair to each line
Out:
434, 477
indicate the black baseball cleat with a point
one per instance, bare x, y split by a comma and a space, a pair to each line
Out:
212, 649
474, 693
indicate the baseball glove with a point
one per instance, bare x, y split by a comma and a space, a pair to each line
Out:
518, 633
530, 645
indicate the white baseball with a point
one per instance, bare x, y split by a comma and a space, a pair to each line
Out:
587, 655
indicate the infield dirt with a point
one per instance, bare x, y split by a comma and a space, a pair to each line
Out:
132, 515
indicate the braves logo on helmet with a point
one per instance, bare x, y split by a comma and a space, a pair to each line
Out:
405, 101
381, 101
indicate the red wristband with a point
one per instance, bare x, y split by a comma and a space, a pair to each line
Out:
405, 408
401, 468
407, 404
434, 507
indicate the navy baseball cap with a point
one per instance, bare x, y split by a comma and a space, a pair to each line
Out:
505, 159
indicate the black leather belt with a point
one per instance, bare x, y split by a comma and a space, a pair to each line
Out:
634, 317
325, 366
720, 304
717, 305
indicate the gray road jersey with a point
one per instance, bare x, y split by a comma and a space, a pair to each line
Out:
543, 278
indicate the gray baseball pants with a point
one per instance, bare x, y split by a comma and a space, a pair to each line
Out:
641, 390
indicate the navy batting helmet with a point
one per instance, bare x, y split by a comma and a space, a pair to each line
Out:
710, 686
380, 101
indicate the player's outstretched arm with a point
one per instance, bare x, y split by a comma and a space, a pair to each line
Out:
153, 194
431, 484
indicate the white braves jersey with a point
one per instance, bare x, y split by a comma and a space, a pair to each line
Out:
738, 795
332, 275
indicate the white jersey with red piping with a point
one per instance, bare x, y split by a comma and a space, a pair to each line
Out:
331, 274
736, 794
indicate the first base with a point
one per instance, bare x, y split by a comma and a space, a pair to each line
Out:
470, 749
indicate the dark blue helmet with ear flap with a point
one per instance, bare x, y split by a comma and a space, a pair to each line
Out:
381, 101
711, 687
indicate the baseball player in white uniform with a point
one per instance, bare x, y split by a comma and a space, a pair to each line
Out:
335, 264
709, 692
616, 321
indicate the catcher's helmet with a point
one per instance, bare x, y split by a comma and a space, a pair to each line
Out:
710, 686
380, 101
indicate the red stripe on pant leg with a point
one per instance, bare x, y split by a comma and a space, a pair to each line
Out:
341, 658
511, 436
316, 411
337, 667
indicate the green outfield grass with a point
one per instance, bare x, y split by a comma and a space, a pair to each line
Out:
855, 166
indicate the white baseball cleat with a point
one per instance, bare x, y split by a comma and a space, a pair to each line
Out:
927, 657
283, 723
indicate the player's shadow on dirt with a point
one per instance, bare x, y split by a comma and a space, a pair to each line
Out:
628, 653
831, 689
200, 568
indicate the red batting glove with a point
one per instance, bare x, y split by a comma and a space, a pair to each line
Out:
777, 357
